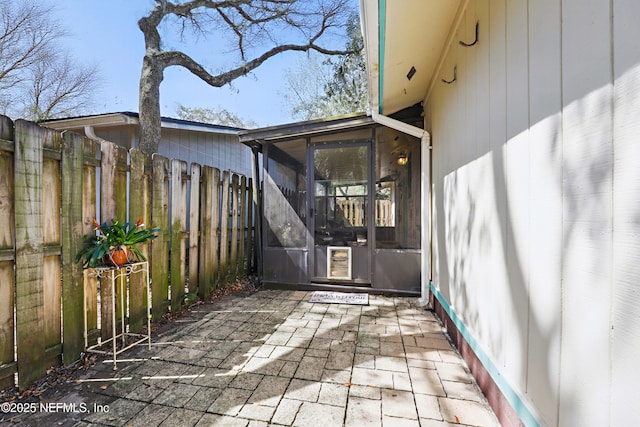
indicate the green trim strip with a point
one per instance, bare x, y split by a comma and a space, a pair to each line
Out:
509, 393
382, 22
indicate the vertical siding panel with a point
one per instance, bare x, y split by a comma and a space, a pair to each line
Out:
517, 186
498, 137
486, 237
587, 212
545, 104
470, 82
626, 215
7, 282
72, 232
30, 315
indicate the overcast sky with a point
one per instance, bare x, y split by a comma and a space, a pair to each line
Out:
106, 33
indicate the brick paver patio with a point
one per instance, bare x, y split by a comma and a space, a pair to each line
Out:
273, 358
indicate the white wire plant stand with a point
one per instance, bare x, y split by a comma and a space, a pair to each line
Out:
126, 339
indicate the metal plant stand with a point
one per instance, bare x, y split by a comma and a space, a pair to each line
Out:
115, 273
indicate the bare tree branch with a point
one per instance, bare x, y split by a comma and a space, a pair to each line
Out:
37, 80
261, 29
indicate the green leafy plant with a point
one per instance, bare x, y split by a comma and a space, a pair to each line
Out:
99, 246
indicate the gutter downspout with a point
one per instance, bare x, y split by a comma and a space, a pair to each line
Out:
88, 130
425, 195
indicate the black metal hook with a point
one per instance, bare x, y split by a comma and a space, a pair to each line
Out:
455, 76
475, 41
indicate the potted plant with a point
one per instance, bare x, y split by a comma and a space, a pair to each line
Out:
114, 244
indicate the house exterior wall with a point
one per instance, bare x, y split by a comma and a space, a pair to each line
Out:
212, 149
222, 151
536, 195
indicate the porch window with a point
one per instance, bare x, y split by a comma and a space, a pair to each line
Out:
285, 196
397, 198
341, 191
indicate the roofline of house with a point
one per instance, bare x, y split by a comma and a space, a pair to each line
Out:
130, 118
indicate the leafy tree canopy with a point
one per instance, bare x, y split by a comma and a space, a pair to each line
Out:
216, 116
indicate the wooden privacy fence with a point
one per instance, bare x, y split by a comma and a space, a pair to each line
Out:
354, 209
48, 201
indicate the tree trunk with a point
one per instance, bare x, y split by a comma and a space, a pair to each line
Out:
149, 116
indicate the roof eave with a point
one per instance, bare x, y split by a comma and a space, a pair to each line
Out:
306, 128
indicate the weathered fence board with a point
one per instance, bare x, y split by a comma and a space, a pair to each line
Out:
49, 185
178, 231
242, 226
72, 232
7, 261
159, 246
51, 238
28, 157
250, 245
194, 226
224, 229
207, 260
108, 211
233, 264
89, 207
140, 201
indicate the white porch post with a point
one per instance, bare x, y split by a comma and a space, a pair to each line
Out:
425, 215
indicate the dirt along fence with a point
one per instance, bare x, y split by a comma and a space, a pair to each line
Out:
52, 187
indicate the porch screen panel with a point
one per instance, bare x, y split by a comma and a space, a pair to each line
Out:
285, 199
397, 210
341, 190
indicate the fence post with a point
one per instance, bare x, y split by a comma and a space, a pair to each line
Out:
72, 283
7, 278
28, 156
139, 202
159, 246
178, 224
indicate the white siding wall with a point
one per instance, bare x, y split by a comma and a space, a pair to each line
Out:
536, 169
211, 149
222, 151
